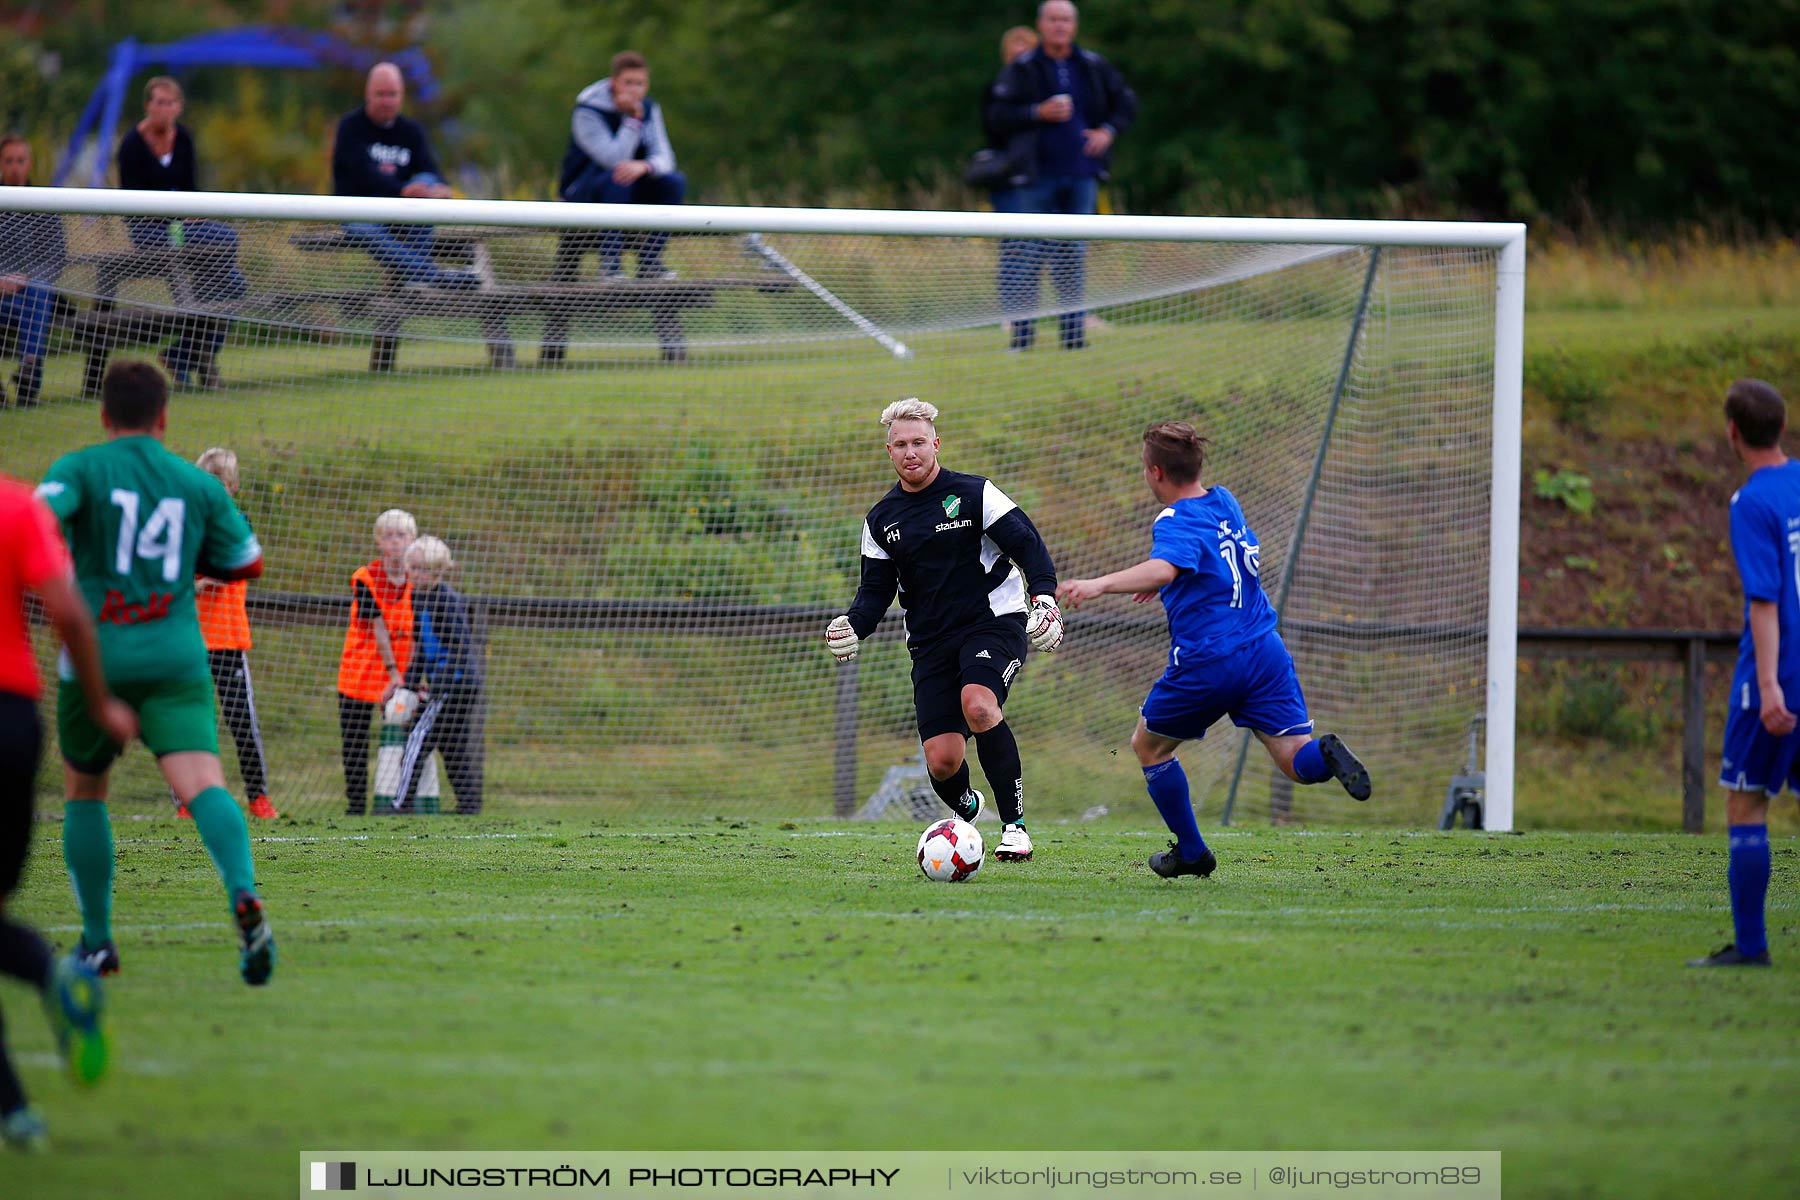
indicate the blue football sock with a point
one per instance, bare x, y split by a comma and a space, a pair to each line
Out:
1309, 764
1168, 786
1748, 874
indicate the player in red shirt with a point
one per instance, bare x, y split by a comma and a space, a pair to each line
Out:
33, 558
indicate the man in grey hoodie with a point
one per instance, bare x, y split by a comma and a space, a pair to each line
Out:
619, 153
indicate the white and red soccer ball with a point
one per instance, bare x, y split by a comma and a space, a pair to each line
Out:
950, 851
401, 707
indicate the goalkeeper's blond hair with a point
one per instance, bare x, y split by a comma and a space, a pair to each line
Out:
910, 409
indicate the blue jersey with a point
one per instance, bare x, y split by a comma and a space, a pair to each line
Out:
1215, 602
1765, 539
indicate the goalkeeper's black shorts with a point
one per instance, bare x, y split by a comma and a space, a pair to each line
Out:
988, 653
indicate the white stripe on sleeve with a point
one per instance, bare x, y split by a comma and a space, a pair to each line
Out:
994, 504
870, 547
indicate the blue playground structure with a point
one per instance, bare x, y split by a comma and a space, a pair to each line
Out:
250, 46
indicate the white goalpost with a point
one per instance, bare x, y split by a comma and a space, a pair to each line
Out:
652, 485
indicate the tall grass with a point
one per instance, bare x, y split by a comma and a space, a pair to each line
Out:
1692, 270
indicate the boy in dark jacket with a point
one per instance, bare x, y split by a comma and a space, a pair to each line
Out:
446, 671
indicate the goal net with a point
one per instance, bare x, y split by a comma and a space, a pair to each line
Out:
651, 463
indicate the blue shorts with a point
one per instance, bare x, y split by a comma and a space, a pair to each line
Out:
1254, 685
1755, 759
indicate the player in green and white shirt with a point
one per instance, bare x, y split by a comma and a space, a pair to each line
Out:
140, 521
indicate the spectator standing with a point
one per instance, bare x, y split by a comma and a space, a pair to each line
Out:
619, 153
33, 252
1076, 104
379, 152
1017, 144
225, 625
157, 155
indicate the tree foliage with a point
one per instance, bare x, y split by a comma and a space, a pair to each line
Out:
1632, 112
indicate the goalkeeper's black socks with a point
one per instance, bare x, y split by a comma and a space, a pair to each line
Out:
952, 790
999, 752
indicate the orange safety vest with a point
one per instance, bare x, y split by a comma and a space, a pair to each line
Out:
361, 673
223, 622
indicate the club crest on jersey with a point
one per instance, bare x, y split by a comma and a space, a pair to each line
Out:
952, 506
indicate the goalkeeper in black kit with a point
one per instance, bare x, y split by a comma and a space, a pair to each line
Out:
976, 584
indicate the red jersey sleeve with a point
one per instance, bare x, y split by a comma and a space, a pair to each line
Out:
42, 554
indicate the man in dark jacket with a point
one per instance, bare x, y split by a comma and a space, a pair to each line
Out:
32, 254
1075, 103
378, 152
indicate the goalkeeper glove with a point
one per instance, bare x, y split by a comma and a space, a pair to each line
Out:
1044, 624
841, 640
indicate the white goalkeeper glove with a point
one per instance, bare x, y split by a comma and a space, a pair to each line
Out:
1044, 624
841, 640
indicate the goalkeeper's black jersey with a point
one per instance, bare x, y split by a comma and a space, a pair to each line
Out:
958, 552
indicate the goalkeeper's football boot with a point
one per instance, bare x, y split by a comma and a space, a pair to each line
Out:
73, 1000
257, 962
1169, 863
1346, 768
101, 961
263, 809
23, 1130
1730, 956
969, 807
1015, 844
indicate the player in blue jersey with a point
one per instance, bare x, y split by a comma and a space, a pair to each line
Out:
1225, 656
1762, 746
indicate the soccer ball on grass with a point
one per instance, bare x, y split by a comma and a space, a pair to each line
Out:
950, 851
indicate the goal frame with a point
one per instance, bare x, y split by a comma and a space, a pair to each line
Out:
1507, 238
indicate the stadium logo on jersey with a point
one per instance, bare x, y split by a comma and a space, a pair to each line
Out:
891, 533
952, 506
1012, 668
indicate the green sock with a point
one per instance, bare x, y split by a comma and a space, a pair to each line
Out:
227, 839
88, 851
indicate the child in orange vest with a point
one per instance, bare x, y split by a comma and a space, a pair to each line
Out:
377, 647
226, 628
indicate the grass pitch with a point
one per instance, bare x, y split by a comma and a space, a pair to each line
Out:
724, 985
